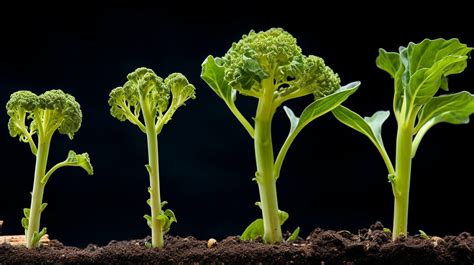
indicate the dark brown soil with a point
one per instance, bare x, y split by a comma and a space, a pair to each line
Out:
368, 246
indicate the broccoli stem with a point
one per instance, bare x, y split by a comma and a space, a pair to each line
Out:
37, 194
402, 181
265, 166
153, 170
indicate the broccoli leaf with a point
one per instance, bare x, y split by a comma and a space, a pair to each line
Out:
254, 230
369, 126
316, 109
453, 108
428, 63
294, 235
213, 75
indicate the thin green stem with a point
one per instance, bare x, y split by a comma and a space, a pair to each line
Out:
241, 119
283, 151
153, 170
38, 190
264, 158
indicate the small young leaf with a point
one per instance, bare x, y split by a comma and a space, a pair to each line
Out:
294, 235
170, 214
43, 206
258, 204
283, 216
148, 168
163, 203
148, 244
24, 223
423, 234
148, 219
148, 202
26, 212
387, 230
42, 232
254, 230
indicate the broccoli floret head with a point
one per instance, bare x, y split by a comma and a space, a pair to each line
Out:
50, 111
275, 54
144, 89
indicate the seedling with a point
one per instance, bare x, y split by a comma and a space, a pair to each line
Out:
271, 67
146, 94
419, 71
47, 113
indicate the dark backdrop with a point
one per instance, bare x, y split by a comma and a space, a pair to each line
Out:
332, 178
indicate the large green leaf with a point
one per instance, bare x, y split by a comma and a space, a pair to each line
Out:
453, 108
428, 63
316, 109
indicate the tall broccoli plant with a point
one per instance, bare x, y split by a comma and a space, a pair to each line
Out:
271, 67
419, 71
147, 95
41, 116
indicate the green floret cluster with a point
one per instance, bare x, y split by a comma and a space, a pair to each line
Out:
50, 111
143, 84
275, 54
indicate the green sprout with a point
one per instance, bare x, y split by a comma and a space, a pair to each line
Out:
47, 113
419, 71
147, 95
271, 67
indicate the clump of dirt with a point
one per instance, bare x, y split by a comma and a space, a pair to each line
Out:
368, 246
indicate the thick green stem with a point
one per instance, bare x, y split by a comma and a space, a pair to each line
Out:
402, 180
153, 170
264, 158
37, 194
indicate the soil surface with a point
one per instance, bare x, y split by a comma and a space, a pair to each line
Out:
368, 246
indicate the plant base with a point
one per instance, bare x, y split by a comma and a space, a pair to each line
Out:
368, 246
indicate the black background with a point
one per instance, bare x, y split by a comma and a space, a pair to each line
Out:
332, 177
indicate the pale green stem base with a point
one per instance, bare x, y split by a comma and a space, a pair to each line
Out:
265, 169
37, 194
153, 170
402, 181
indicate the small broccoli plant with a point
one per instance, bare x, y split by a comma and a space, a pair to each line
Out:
148, 96
42, 116
271, 67
419, 71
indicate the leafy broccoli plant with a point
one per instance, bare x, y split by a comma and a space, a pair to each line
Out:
42, 116
419, 71
271, 67
147, 95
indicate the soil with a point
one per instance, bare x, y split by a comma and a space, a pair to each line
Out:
368, 246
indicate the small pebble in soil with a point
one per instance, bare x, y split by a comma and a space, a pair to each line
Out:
211, 243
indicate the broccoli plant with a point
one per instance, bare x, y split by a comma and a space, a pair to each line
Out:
42, 116
419, 71
271, 67
147, 95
